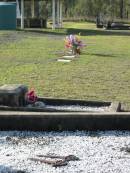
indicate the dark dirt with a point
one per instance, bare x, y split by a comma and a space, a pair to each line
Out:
16, 36
8, 37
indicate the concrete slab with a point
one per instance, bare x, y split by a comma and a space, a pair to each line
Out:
69, 56
64, 60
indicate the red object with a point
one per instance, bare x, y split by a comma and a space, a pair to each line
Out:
31, 96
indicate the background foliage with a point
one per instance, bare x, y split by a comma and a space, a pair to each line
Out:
87, 9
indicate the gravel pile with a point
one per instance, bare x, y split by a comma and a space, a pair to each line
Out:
99, 152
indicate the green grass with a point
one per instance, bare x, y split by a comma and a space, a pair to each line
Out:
101, 73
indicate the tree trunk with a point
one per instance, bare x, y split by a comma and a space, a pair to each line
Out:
121, 9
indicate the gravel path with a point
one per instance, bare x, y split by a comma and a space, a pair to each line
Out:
99, 152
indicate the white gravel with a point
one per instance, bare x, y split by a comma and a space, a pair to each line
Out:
99, 152
79, 108
75, 108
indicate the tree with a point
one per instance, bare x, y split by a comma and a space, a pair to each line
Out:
121, 9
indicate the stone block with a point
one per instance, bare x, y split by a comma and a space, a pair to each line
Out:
13, 95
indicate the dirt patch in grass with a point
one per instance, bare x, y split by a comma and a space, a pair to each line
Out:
7, 37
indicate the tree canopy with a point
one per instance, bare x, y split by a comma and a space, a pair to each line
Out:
92, 8
83, 8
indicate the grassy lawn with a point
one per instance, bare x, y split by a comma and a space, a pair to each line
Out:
101, 73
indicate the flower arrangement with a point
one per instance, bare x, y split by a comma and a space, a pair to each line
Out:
31, 96
74, 43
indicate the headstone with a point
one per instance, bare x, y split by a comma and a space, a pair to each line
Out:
13, 95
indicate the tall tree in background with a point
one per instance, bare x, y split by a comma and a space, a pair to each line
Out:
86, 8
121, 9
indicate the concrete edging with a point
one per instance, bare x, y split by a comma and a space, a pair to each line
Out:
46, 121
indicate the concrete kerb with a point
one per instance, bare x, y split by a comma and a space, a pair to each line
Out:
45, 121
14, 115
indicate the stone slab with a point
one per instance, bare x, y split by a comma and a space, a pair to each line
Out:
64, 60
12, 88
12, 94
69, 56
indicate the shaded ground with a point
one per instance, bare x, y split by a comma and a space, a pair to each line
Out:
16, 36
84, 32
9, 37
